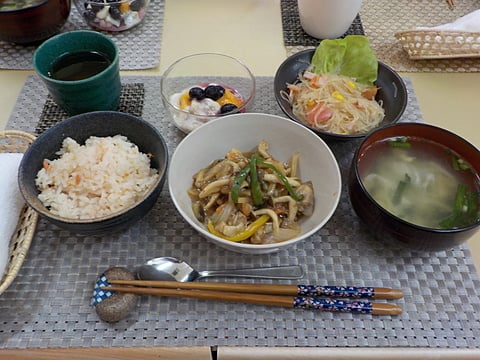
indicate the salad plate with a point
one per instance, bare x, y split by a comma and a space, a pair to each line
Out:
392, 94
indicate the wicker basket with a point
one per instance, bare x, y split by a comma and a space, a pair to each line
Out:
13, 141
440, 44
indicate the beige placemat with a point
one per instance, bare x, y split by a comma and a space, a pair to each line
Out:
381, 19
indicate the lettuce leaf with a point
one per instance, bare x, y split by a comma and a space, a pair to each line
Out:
351, 56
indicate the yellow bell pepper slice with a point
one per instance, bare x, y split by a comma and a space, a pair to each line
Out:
244, 235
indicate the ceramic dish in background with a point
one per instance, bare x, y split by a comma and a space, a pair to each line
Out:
112, 15
245, 132
32, 21
80, 128
392, 94
200, 71
394, 229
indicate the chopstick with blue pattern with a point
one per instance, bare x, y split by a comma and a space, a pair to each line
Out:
239, 293
275, 289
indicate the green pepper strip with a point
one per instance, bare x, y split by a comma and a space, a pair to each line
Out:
244, 235
237, 183
284, 180
257, 195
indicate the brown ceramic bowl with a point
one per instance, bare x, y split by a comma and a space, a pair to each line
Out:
392, 229
35, 23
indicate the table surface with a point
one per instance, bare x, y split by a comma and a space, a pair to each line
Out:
252, 31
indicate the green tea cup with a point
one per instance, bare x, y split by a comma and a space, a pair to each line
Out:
81, 71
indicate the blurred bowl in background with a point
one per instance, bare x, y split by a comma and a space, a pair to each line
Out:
417, 186
112, 15
222, 84
32, 21
392, 94
80, 128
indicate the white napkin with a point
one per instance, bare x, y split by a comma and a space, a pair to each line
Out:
11, 203
468, 23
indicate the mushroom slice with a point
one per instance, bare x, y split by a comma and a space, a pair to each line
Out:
292, 206
213, 187
307, 204
273, 216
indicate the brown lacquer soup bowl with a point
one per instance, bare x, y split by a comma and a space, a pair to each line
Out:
417, 185
30, 22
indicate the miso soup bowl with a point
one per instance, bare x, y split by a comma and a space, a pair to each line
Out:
391, 229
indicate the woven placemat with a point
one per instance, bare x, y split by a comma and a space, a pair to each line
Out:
139, 47
131, 101
381, 19
293, 34
48, 305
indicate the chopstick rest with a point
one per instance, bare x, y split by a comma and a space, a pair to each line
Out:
275, 289
331, 305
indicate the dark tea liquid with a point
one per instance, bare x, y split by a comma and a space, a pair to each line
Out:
79, 65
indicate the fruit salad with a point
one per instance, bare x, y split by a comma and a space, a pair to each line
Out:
200, 103
112, 15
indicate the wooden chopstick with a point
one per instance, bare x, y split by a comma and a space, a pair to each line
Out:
273, 289
332, 305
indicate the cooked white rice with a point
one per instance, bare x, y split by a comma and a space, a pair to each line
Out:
94, 180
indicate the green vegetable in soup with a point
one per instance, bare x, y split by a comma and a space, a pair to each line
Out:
465, 210
400, 189
458, 163
400, 141
351, 56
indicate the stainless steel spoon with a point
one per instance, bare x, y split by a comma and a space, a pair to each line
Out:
171, 269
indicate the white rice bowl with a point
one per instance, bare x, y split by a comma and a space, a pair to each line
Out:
100, 178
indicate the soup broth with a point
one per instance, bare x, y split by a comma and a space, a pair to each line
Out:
421, 182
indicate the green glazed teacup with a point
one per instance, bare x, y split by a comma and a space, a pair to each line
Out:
95, 91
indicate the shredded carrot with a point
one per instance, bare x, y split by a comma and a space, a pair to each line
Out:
46, 164
220, 208
315, 81
293, 89
309, 75
370, 93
